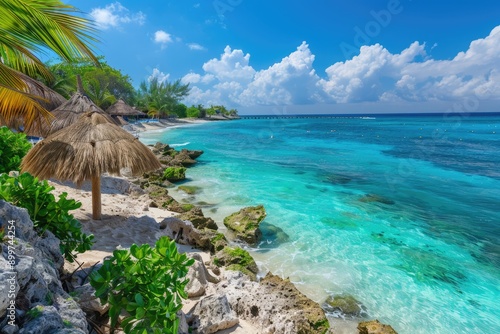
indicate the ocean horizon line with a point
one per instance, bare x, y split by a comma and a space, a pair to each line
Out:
360, 115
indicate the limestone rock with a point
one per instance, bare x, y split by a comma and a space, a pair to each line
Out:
237, 259
346, 305
212, 314
46, 319
39, 290
88, 301
245, 223
273, 305
197, 279
159, 196
193, 154
375, 327
174, 174
199, 221
189, 235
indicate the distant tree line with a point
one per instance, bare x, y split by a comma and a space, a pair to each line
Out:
104, 85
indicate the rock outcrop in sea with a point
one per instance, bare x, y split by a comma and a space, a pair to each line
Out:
245, 223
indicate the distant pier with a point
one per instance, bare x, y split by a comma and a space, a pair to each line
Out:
294, 116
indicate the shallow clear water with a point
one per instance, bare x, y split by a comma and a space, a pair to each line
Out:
422, 252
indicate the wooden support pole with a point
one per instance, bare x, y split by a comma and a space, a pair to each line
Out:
96, 197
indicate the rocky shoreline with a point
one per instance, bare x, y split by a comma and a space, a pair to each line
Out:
225, 293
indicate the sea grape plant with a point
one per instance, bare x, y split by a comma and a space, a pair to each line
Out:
13, 147
47, 213
147, 283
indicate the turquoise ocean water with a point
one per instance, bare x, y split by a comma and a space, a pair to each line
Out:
402, 212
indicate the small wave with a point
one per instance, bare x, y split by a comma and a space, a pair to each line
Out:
367, 117
178, 145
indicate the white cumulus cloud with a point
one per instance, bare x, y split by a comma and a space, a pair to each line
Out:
162, 38
162, 77
115, 15
196, 46
375, 75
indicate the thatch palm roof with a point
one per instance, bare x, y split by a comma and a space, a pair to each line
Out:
50, 99
70, 111
85, 150
120, 120
120, 108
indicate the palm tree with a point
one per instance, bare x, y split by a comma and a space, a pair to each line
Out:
161, 97
27, 27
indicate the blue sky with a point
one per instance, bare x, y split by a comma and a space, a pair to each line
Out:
310, 56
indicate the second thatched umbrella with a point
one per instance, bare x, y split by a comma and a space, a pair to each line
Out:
120, 108
85, 150
70, 111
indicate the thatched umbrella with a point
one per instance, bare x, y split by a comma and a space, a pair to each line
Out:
85, 150
70, 111
50, 99
120, 108
120, 120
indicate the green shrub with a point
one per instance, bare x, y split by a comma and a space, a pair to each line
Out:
175, 173
13, 147
146, 282
193, 112
46, 212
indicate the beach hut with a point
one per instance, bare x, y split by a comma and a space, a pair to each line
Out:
70, 111
120, 108
87, 149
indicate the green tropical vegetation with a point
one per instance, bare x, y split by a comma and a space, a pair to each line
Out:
28, 27
159, 98
148, 283
47, 213
103, 84
13, 147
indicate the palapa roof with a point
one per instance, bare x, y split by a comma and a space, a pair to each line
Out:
50, 99
70, 111
120, 120
120, 108
86, 149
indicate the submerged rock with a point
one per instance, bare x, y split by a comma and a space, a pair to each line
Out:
245, 223
337, 179
273, 234
368, 198
190, 190
375, 327
344, 304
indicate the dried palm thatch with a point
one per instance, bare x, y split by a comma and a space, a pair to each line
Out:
70, 111
120, 108
50, 99
85, 150
120, 120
